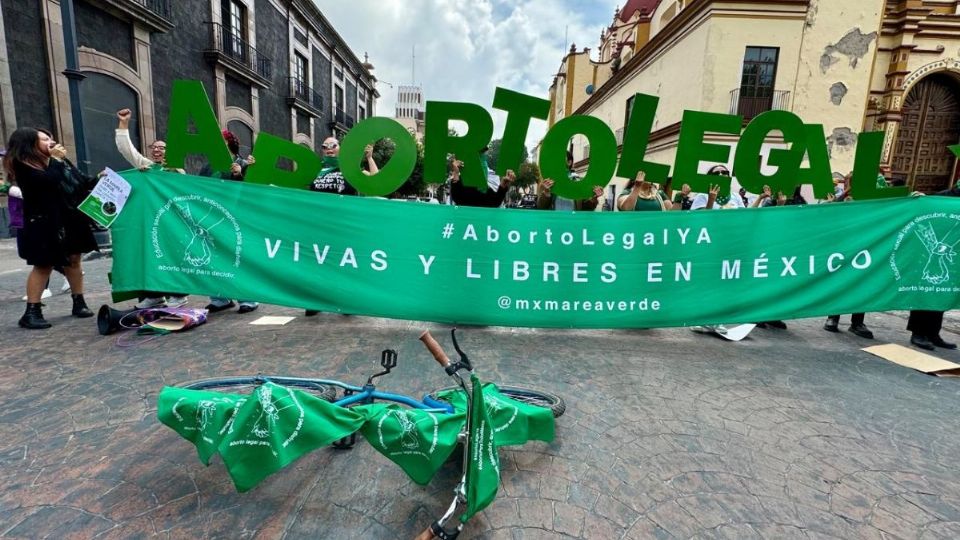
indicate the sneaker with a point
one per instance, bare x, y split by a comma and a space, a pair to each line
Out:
832, 324
46, 294
147, 303
247, 307
176, 301
310, 312
939, 342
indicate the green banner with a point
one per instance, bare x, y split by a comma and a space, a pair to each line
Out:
448, 264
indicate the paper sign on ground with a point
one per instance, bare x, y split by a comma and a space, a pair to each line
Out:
272, 320
107, 199
917, 360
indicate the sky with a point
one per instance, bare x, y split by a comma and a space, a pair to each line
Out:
465, 49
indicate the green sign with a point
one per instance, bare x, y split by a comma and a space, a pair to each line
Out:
540, 269
189, 104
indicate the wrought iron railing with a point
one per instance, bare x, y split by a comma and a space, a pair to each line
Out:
349, 121
160, 7
228, 42
751, 102
300, 90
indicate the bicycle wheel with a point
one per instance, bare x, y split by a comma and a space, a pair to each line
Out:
246, 385
523, 394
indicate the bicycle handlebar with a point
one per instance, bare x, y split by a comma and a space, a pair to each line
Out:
437, 352
425, 535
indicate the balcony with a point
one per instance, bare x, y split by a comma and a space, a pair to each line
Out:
751, 106
341, 120
303, 97
232, 52
155, 14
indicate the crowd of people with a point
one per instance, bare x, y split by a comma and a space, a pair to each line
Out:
45, 189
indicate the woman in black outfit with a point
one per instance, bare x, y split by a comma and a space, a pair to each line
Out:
54, 232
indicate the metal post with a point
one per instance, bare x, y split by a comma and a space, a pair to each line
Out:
74, 76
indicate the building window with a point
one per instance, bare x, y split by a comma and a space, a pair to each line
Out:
300, 71
362, 114
234, 16
629, 111
300, 36
338, 98
758, 80
363, 95
338, 72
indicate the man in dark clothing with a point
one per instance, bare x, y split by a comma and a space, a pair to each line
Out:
492, 197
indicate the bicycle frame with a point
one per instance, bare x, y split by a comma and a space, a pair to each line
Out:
368, 393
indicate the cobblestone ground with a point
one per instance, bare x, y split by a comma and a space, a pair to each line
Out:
667, 434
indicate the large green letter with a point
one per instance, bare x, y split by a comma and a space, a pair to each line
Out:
692, 150
603, 156
268, 150
635, 139
396, 171
520, 109
189, 102
439, 143
818, 174
863, 184
747, 162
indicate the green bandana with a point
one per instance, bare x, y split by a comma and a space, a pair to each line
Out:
331, 162
260, 433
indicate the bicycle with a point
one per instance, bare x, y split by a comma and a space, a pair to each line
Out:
219, 407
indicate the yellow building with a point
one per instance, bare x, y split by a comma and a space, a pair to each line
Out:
851, 65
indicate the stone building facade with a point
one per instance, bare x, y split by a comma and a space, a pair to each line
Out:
277, 66
852, 66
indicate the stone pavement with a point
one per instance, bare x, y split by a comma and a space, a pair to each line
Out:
667, 434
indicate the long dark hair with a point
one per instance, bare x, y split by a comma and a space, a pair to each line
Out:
22, 148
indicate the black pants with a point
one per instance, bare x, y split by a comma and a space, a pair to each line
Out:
856, 319
925, 323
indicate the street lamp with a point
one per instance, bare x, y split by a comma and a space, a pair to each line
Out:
74, 76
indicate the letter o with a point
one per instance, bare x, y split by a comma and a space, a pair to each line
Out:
603, 156
395, 173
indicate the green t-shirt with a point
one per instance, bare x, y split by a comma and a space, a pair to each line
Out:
647, 205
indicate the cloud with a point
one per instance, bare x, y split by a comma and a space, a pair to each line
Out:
467, 48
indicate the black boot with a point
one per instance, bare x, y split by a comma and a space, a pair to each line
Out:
33, 318
80, 308
832, 324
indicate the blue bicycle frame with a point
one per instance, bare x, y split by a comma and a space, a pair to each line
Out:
368, 393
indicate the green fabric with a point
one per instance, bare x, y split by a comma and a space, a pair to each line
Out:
514, 422
259, 434
481, 266
647, 205
330, 162
483, 459
418, 441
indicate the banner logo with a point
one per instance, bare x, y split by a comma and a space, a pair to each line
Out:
196, 235
410, 442
934, 235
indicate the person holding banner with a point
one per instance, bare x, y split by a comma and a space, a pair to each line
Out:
549, 201
642, 196
157, 160
492, 197
330, 179
51, 234
237, 172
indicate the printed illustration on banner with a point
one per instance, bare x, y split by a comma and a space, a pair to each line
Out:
925, 251
194, 234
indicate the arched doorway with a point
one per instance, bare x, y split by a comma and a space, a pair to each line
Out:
101, 96
244, 135
931, 122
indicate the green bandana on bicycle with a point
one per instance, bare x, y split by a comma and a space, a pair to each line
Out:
418, 441
259, 434
483, 458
